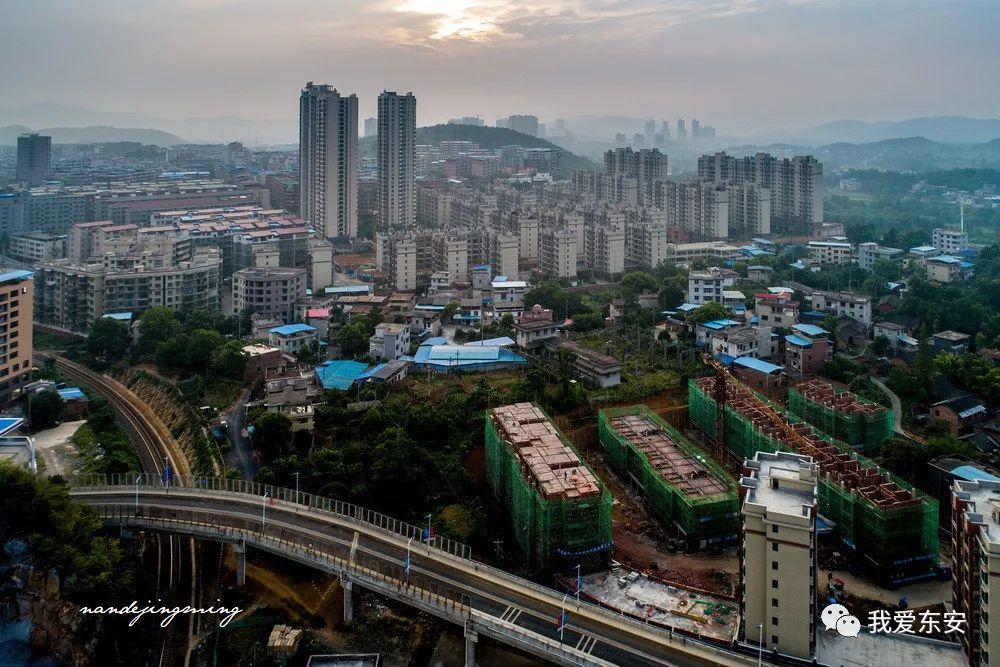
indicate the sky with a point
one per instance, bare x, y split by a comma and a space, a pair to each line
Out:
741, 65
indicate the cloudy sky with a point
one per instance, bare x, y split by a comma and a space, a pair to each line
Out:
739, 64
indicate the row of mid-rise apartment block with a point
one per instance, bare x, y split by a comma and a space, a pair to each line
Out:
56, 208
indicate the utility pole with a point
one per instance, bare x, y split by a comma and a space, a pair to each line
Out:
263, 512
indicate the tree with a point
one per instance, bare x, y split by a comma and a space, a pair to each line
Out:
353, 337
272, 433
45, 408
108, 339
229, 360
880, 346
713, 310
923, 365
155, 326
637, 282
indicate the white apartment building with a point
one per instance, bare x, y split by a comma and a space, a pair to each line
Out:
36, 246
451, 254
605, 250
396, 258
528, 248
708, 285
949, 241
271, 291
685, 253
831, 252
975, 541
647, 245
328, 160
778, 555
851, 304
558, 252
397, 134
700, 208
871, 252
389, 342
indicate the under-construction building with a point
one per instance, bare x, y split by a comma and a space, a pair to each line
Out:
891, 527
841, 414
685, 489
559, 511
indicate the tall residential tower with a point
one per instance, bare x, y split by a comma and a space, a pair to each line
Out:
33, 154
328, 160
397, 135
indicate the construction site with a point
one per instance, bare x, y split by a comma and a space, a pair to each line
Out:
841, 414
560, 512
682, 486
888, 527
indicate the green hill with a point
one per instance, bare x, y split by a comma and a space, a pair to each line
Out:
489, 138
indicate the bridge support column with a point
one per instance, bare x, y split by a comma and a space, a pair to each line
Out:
348, 587
241, 562
471, 638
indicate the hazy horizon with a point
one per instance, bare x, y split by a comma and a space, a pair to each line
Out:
744, 66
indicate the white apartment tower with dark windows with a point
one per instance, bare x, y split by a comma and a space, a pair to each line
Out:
328, 160
397, 135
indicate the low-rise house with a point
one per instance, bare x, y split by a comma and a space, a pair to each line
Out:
960, 412
319, 318
737, 342
831, 252
262, 359
708, 285
760, 273
776, 310
534, 327
758, 374
950, 341
291, 338
595, 368
807, 348
948, 269
849, 304
390, 341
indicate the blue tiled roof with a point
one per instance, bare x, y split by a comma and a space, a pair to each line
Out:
71, 392
435, 340
923, 249
757, 365
121, 317
291, 329
810, 329
798, 340
502, 341
973, 473
687, 307
720, 324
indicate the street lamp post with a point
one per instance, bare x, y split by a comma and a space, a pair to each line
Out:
263, 511
579, 585
137, 494
296, 486
760, 644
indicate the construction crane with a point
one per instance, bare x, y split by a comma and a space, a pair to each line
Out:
722, 378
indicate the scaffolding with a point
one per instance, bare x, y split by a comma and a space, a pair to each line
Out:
841, 414
684, 487
560, 512
884, 520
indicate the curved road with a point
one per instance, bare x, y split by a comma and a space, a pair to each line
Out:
490, 592
897, 410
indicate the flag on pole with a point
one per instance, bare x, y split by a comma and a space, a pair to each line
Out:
406, 564
428, 534
579, 584
562, 621
168, 474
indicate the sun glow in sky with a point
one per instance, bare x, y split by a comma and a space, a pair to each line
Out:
472, 20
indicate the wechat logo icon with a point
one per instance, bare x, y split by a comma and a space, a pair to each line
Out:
836, 617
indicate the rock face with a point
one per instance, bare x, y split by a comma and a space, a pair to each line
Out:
55, 623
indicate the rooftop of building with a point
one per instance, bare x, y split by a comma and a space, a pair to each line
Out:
782, 482
258, 349
852, 297
953, 336
758, 365
684, 470
292, 329
983, 504
15, 276
339, 374
265, 272
392, 327
544, 453
810, 330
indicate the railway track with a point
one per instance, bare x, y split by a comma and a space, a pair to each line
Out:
156, 449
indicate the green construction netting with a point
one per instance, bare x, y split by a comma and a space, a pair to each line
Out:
894, 540
553, 533
713, 518
863, 431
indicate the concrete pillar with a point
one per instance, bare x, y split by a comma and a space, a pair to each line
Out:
348, 587
241, 562
471, 638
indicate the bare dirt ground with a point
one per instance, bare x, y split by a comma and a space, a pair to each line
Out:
56, 449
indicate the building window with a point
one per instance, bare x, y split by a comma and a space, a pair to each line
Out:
774, 602
774, 528
774, 546
774, 640
774, 620
774, 583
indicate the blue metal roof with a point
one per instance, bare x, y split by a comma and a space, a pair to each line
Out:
457, 353
15, 275
757, 365
810, 329
340, 374
291, 329
70, 393
923, 249
349, 289
121, 317
502, 341
973, 473
686, 307
435, 340
945, 259
798, 340
8, 424
720, 324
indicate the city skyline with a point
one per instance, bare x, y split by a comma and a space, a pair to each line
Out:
501, 58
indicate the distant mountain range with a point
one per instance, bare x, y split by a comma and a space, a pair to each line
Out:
92, 134
211, 129
905, 154
947, 129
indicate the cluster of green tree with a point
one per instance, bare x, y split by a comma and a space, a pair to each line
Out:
198, 342
970, 371
44, 409
354, 333
496, 329
62, 536
896, 185
906, 223
909, 459
102, 443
